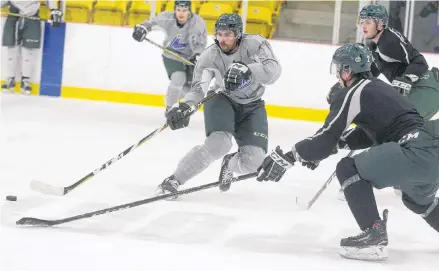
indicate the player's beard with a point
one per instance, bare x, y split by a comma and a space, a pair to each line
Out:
228, 48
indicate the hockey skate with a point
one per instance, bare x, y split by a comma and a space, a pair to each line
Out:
370, 245
226, 175
168, 186
25, 86
9, 86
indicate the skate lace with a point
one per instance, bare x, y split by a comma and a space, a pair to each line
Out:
226, 175
174, 183
169, 183
360, 235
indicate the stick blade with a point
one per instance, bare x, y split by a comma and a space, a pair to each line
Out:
47, 188
36, 222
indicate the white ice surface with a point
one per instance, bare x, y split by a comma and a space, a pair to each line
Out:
254, 226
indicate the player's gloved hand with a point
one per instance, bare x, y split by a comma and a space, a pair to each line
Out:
140, 32
237, 76
275, 165
332, 92
176, 117
56, 17
404, 84
309, 164
194, 58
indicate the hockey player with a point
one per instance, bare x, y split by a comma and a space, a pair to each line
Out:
405, 153
241, 66
402, 64
24, 34
186, 34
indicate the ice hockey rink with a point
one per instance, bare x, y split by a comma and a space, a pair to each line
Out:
254, 226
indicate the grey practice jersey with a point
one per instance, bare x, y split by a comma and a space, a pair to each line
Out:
29, 8
188, 40
254, 51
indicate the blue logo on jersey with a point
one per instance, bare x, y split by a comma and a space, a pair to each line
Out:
243, 85
176, 44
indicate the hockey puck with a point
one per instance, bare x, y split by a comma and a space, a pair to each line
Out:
11, 198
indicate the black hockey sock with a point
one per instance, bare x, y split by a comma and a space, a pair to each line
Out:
358, 193
361, 201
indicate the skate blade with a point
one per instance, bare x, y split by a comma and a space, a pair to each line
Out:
371, 254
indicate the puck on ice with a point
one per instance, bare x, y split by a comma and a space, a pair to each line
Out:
11, 198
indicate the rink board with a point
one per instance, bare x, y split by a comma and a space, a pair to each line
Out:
104, 63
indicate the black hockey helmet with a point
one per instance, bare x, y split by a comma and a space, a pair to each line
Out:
230, 22
354, 58
183, 3
376, 12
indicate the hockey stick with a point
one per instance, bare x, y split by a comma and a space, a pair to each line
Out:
30, 221
26, 17
60, 191
169, 52
323, 188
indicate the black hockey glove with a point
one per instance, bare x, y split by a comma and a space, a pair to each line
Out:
140, 32
237, 76
310, 164
275, 165
56, 17
176, 118
332, 92
404, 84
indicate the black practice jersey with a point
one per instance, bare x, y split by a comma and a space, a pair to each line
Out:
380, 113
395, 56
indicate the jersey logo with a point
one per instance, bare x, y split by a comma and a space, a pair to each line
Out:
279, 160
408, 136
177, 44
260, 135
244, 84
425, 76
